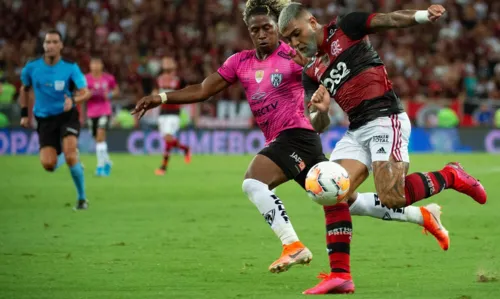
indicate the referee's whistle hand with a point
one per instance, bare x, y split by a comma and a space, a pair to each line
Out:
25, 122
68, 103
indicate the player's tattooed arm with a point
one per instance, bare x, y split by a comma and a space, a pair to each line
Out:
316, 105
404, 18
396, 19
319, 120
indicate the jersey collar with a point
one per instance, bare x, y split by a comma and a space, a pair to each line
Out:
275, 50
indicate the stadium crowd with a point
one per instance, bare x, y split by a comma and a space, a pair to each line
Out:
453, 68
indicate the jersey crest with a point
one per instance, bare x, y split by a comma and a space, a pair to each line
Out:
276, 79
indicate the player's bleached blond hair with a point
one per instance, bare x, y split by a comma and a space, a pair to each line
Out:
289, 13
271, 8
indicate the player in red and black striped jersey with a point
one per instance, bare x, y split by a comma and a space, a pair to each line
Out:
344, 65
169, 119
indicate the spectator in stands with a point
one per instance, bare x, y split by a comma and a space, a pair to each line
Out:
484, 115
454, 61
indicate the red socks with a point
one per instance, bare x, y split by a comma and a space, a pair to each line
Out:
339, 224
338, 237
421, 185
169, 145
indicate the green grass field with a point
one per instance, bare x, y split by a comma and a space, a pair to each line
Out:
194, 234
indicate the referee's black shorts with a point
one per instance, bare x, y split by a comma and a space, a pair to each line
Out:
52, 129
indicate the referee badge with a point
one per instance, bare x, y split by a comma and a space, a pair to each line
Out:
59, 85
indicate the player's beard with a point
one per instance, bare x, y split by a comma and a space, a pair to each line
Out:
312, 47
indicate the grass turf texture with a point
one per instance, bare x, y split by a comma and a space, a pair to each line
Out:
194, 234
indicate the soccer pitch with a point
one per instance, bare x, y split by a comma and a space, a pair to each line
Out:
194, 234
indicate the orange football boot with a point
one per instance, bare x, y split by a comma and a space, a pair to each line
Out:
292, 254
432, 224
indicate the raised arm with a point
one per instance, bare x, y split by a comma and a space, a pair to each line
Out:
320, 120
405, 18
358, 24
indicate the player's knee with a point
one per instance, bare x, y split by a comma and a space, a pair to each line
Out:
169, 137
100, 136
71, 158
49, 165
392, 201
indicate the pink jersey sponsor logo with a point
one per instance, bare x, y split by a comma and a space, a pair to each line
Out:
273, 89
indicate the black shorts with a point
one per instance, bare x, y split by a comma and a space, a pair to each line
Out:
101, 122
51, 130
295, 151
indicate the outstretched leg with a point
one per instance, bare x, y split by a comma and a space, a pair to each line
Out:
262, 176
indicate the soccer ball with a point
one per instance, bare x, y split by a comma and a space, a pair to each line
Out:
327, 183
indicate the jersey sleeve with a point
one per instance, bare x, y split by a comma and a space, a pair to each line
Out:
112, 82
26, 75
228, 69
78, 77
356, 24
310, 86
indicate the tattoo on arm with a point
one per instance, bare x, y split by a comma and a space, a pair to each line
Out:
320, 121
396, 19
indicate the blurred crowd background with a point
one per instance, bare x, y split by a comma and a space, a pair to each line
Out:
448, 74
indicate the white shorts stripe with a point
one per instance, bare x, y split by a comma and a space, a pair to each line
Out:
396, 140
400, 139
394, 134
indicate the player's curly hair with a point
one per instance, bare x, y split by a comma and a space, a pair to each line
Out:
271, 8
